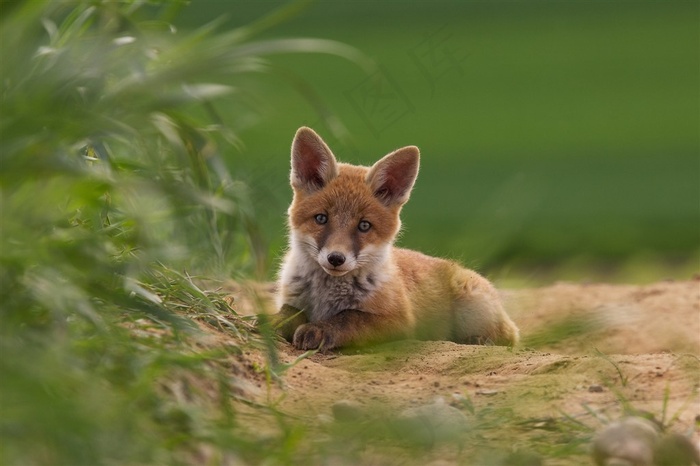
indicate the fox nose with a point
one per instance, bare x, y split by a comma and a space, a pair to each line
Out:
336, 259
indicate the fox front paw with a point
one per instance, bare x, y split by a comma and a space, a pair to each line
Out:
313, 336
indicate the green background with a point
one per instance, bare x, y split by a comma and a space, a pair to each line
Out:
558, 139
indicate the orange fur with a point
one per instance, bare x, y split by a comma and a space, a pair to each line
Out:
343, 272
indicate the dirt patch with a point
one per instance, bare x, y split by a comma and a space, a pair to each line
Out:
618, 319
589, 354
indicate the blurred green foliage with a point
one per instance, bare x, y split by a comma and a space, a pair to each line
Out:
113, 193
553, 134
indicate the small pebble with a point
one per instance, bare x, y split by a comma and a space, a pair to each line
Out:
630, 440
432, 423
347, 411
676, 450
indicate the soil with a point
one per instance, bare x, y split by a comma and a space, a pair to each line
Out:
589, 355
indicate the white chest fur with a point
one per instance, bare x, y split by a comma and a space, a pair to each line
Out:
306, 286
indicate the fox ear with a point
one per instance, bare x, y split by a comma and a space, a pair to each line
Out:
313, 163
392, 178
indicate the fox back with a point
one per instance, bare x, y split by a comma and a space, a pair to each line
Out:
343, 272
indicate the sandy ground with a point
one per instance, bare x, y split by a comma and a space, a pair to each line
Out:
588, 352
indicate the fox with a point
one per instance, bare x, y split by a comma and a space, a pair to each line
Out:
342, 281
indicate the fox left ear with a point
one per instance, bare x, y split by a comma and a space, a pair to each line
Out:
392, 178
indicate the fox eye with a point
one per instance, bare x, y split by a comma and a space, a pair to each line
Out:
321, 219
364, 226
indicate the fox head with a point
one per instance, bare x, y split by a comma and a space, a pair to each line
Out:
346, 217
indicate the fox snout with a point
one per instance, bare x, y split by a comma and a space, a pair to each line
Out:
335, 262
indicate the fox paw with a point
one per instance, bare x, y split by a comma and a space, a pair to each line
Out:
312, 336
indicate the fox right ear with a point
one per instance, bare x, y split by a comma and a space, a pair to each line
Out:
313, 163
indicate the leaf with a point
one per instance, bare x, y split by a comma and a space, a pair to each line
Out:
132, 286
206, 91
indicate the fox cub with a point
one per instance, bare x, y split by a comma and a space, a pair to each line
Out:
344, 283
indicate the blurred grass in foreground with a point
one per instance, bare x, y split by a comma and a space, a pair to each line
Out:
112, 182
